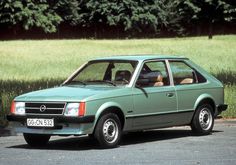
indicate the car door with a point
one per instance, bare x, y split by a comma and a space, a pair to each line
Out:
153, 97
188, 88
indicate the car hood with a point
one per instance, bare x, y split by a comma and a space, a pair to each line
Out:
65, 93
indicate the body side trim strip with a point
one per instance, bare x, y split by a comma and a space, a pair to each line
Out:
157, 114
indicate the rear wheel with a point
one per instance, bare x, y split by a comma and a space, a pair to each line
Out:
36, 140
203, 120
108, 130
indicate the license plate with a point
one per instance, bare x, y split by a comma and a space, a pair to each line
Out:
40, 122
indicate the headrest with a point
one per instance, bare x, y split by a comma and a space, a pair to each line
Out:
122, 75
153, 76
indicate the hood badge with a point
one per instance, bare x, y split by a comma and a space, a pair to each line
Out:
42, 108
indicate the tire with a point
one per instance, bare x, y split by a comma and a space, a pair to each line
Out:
36, 140
91, 136
108, 131
203, 120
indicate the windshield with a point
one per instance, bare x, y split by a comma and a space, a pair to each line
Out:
112, 72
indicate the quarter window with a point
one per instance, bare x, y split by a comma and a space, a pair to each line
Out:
182, 73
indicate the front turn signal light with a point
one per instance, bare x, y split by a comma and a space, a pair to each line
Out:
82, 109
13, 107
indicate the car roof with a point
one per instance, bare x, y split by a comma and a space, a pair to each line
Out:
141, 57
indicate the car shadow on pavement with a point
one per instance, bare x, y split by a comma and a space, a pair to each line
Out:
68, 143
88, 143
156, 135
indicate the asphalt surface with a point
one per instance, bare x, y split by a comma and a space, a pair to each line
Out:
164, 146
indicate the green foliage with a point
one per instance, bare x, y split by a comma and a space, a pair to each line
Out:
212, 10
29, 13
130, 15
68, 10
169, 15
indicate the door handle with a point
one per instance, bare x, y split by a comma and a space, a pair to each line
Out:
170, 94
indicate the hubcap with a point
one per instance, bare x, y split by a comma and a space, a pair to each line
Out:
205, 118
110, 130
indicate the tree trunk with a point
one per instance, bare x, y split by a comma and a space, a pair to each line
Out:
210, 30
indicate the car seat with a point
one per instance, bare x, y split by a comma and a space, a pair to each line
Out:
123, 75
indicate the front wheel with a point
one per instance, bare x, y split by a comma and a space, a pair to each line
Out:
36, 140
203, 120
108, 130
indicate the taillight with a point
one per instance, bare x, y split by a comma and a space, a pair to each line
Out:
13, 107
82, 109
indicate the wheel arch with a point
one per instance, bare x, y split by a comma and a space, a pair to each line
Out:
110, 107
205, 98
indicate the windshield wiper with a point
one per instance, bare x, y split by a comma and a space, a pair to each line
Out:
76, 81
104, 81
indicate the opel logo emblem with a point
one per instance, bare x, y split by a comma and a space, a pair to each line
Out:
42, 108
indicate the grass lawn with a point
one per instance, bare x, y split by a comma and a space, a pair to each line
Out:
27, 65
33, 60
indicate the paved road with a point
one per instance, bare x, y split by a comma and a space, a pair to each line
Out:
166, 146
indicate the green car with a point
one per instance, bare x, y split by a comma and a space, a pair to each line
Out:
108, 96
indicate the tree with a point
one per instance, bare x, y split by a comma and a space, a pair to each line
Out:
169, 15
126, 17
28, 14
68, 10
211, 11
133, 16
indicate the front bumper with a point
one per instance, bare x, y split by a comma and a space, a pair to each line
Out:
58, 119
62, 126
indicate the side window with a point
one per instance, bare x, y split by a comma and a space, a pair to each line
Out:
182, 73
153, 74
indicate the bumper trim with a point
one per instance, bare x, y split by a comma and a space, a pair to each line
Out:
58, 119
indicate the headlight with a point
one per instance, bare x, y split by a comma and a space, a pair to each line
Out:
72, 109
18, 108
75, 109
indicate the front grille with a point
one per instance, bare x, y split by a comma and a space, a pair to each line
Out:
46, 108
